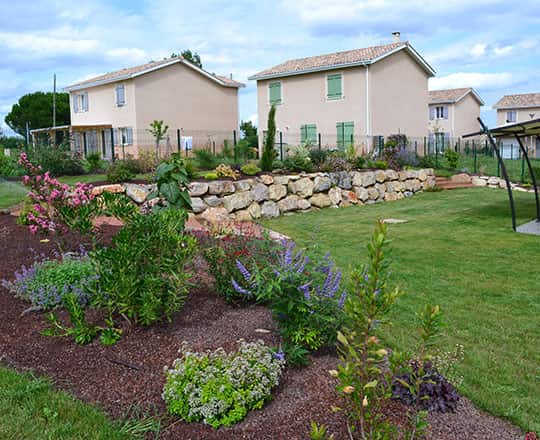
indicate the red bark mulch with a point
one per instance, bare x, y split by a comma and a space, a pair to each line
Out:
131, 372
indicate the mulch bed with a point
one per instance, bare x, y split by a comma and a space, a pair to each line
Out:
131, 372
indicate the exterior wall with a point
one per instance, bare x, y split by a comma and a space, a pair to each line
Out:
510, 143
522, 114
304, 102
465, 115
442, 125
183, 98
398, 90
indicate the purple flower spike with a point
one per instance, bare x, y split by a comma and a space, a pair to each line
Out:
239, 288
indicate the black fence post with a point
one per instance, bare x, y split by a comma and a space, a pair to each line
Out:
425, 146
499, 167
416, 147
522, 168
281, 145
352, 139
214, 147
103, 150
178, 140
84, 144
320, 142
234, 144
475, 159
113, 158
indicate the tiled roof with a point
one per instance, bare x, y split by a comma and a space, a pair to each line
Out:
452, 95
523, 100
137, 70
332, 60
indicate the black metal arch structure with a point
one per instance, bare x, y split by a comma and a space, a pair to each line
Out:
517, 130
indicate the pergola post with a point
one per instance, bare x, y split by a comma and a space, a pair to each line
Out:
533, 177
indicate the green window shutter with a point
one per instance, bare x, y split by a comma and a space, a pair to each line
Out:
340, 134
275, 93
348, 132
311, 133
334, 86
303, 134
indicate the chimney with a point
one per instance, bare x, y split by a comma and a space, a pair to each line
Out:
396, 36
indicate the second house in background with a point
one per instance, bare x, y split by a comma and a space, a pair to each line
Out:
453, 113
352, 96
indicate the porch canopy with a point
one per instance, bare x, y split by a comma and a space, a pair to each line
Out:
518, 130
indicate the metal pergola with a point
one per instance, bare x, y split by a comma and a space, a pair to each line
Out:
518, 130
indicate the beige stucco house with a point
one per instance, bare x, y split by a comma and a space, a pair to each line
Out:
354, 95
518, 108
453, 113
118, 108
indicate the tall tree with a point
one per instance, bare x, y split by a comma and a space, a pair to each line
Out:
159, 130
37, 109
269, 150
250, 133
188, 55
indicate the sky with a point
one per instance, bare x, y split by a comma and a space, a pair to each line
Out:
491, 45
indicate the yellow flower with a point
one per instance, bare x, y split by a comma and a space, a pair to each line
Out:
348, 389
333, 373
45, 240
365, 402
382, 352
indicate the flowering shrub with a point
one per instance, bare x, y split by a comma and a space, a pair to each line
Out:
305, 296
220, 388
47, 282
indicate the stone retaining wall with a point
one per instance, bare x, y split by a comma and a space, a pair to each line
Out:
274, 195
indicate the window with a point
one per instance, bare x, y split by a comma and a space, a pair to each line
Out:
511, 116
441, 112
80, 102
345, 134
334, 89
274, 93
308, 134
120, 95
126, 135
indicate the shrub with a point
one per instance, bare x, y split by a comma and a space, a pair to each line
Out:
378, 164
250, 169
171, 184
304, 293
298, 160
220, 388
94, 162
146, 162
205, 160
335, 163
246, 150
317, 156
452, 158
58, 161
47, 282
223, 170
360, 162
212, 175
430, 161
142, 274
269, 151
119, 171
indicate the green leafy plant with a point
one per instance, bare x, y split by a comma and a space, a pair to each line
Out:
58, 160
94, 162
452, 158
250, 169
212, 175
298, 159
335, 163
317, 156
205, 159
319, 432
172, 180
119, 172
269, 150
220, 388
142, 274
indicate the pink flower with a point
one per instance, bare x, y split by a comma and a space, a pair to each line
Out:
25, 180
33, 229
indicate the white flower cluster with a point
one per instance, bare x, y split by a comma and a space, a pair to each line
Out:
219, 388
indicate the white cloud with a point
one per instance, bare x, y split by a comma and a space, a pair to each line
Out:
473, 79
503, 50
478, 50
254, 118
44, 46
128, 54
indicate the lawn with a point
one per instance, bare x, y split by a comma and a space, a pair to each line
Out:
488, 165
11, 193
457, 250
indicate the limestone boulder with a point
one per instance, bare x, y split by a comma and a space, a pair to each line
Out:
380, 176
242, 216
373, 193
320, 200
115, 188
349, 197
242, 185
259, 192
255, 210
269, 209
267, 179
215, 215
356, 178
362, 193
368, 179
281, 180
302, 187
334, 194
213, 201
458, 178
198, 205
220, 187
391, 175
237, 201
390, 197
422, 175
321, 184
137, 193
197, 189
477, 181
277, 191
341, 179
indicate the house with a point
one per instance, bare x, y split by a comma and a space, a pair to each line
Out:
354, 96
518, 108
452, 114
118, 107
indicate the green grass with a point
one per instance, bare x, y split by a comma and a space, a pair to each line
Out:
11, 193
488, 165
458, 251
31, 409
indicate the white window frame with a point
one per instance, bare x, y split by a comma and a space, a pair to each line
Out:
268, 92
342, 87
80, 107
508, 119
123, 104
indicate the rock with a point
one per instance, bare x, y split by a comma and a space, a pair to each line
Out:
356, 178
368, 179
493, 180
320, 200
270, 209
335, 195
197, 205
267, 179
221, 187
302, 187
361, 193
281, 180
341, 179
381, 187
237, 201
213, 201
380, 176
289, 203
409, 184
242, 185
417, 185
242, 216
459, 178
215, 215
255, 210
502, 184
408, 194
400, 195
349, 197
115, 188
477, 181
403, 175
391, 175
5, 211
277, 191
373, 194
422, 175
390, 197
197, 189
321, 184
259, 192
137, 193
303, 204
